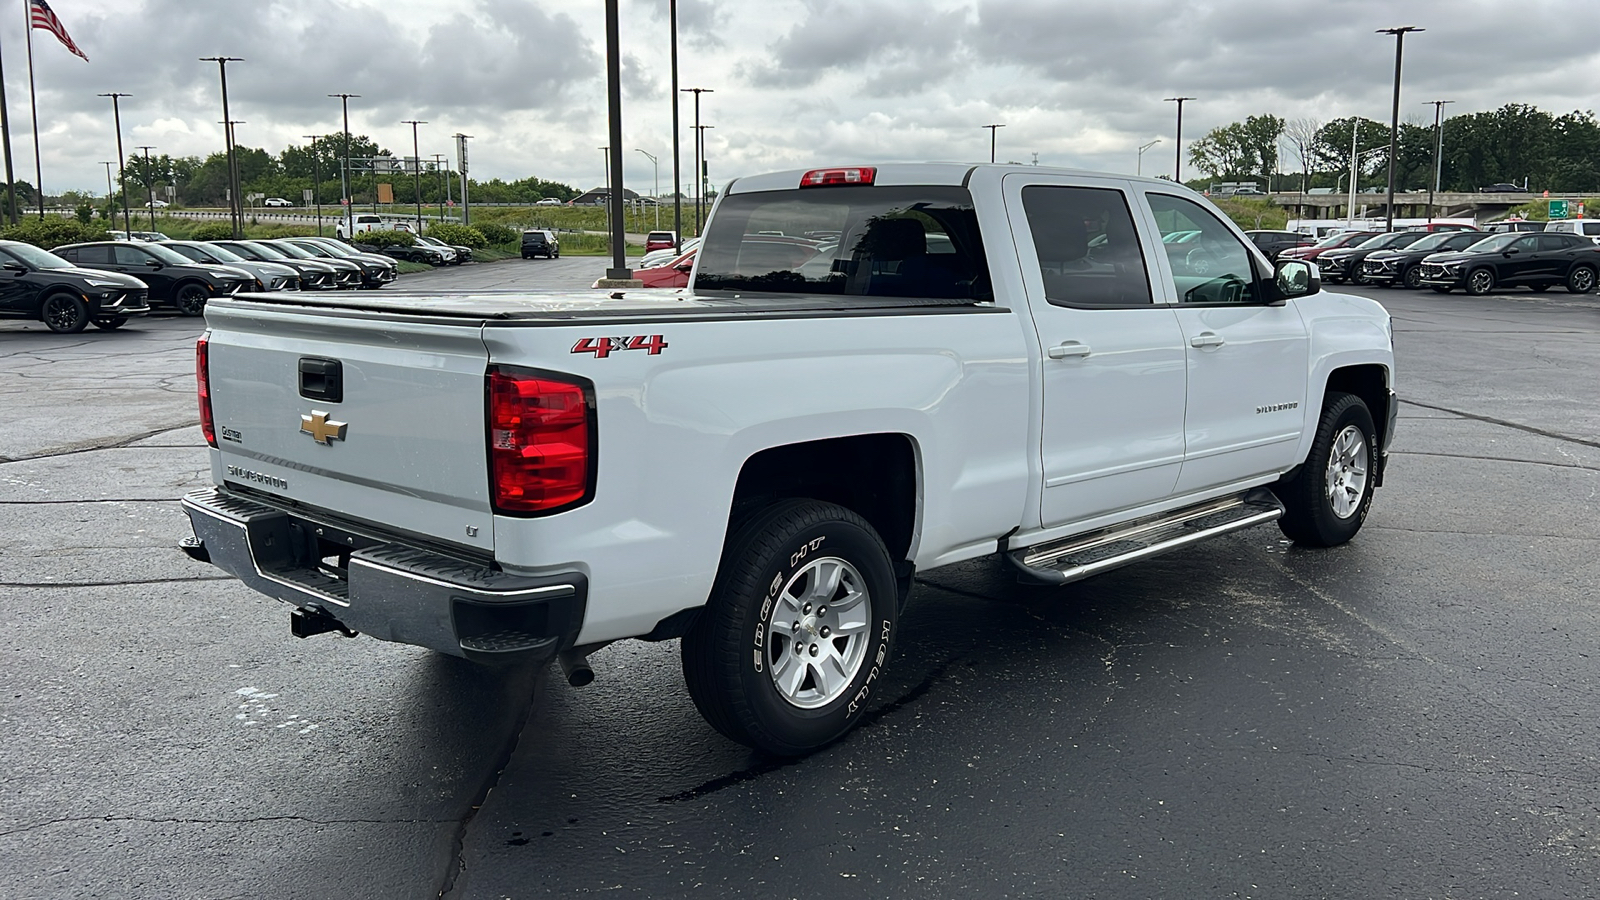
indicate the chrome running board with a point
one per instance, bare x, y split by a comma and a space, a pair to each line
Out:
1078, 557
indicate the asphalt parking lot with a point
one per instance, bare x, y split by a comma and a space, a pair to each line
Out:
1410, 715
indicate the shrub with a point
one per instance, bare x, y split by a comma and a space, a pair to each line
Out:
52, 233
212, 231
465, 235
496, 234
386, 238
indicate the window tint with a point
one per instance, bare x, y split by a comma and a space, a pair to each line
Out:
1525, 244
1212, 266
891, 242
129, 256
99, 255
1557, 241
1087, 246
1591, 228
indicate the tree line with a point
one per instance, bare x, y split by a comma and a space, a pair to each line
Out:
1516, 144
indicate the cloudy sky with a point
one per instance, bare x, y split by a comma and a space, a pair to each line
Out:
798, 82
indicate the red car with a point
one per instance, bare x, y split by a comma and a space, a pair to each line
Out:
1332, 242
659, 240
674, 274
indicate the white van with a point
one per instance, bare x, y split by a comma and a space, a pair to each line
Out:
1589, 228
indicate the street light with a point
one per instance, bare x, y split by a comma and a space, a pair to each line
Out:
1394, 119
992, 130
108, 163
1177, 151
699, 164
1438, 152
316, 177
344, 172
657, 164
235, 210
1139, 163
148, 184
416, 166
116, 113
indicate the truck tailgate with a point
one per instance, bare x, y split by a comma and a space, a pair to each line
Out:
379, 418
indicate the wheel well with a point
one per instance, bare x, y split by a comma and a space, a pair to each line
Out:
874, 475
58, 291
1368, 383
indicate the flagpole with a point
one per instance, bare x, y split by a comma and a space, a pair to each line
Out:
33, 101
5, 137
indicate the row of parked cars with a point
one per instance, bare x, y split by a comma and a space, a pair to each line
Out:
1534, 255
105, 283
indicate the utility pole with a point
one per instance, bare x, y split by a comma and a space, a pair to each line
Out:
1355, 171
108, 163
461, 166
416, 166
116, 113
619, 275
443, 168
1394, 119
149, 184
702, 186
1438, 152
344, 171
316, 177
699, 164
1177, 152
992, 130
235, 210
657, 164
677, 175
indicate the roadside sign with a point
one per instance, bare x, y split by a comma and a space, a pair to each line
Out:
306, 194
1558, 209
385, 192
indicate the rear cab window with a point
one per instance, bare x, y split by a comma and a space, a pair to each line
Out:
849, 240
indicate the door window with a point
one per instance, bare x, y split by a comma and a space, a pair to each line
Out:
93, 256
1557, 241
1209, 264
1087, 246
130, 256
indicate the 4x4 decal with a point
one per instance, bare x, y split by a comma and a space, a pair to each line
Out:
605, 346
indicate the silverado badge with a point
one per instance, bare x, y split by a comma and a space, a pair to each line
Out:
321, 428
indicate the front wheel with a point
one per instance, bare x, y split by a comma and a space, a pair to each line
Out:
191, 300
1412, 277
1327, 500
801, 619
64, 314
1480, 282
1580, 280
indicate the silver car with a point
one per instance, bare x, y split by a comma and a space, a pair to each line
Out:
269, 276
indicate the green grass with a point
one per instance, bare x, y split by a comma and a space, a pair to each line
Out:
411, 268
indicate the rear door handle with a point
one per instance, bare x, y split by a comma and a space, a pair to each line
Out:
1207, 339
1067, 349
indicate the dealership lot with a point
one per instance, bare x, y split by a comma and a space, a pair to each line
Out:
1407, 715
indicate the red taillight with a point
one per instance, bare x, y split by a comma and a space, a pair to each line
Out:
541, 439
853, 175
202, 377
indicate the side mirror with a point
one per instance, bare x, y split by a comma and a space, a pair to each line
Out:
154, 264
16, 267
689, 266
1295, 278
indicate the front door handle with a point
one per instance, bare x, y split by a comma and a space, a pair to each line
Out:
1207, 339
1067, 349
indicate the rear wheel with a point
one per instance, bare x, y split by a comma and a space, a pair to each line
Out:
190, 299
111, 324
787, 651
1580, 280
1480, 282
1412, 277
64, 314
1327, 500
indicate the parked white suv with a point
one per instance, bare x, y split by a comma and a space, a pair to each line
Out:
1589, 228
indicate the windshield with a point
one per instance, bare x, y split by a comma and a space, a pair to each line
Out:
1379, 242
334, 248
221, 254
1498, 242
263, 250
39, 259
166, 254
893, 242
1436, 240
291, 250
194, 253
1334, 240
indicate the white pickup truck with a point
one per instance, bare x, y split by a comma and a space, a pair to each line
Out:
874, 372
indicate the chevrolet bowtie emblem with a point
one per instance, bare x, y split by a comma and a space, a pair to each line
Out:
321, 428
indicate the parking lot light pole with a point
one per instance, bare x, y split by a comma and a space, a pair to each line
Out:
1138, 167
122, 175
1394, 119
443, 168
657, 164
619, 272
1177, 151
699, 163
677, 174
344, 171
1438, 152
992, 130
316, 177
416, 166
703, 185
148, 184
108, 163
235, 210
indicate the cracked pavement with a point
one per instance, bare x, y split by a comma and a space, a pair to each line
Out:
1408, 715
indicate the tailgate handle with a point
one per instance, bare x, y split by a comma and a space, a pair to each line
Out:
321, 379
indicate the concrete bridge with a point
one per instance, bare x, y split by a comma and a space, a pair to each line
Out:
1482, 207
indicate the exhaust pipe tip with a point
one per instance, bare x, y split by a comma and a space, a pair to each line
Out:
575, 666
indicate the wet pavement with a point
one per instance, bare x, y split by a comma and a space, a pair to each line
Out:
1407, 715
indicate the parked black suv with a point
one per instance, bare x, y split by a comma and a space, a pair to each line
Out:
1404, 266
314, 276
1274, 242
538, 243
1344, 264
1539, 261
38, 284
376, 271
174, 279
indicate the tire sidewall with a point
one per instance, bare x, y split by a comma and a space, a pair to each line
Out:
78, 325
1572, 278
788, 728
1333, 529
1412, 277
1471, 282
179, 299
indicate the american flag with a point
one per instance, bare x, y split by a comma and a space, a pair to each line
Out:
44, 17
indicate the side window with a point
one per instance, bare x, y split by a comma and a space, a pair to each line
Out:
130, 256
1553, 242
1209, 264
1087, 246
1592, 229
1525, 244
92, 256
